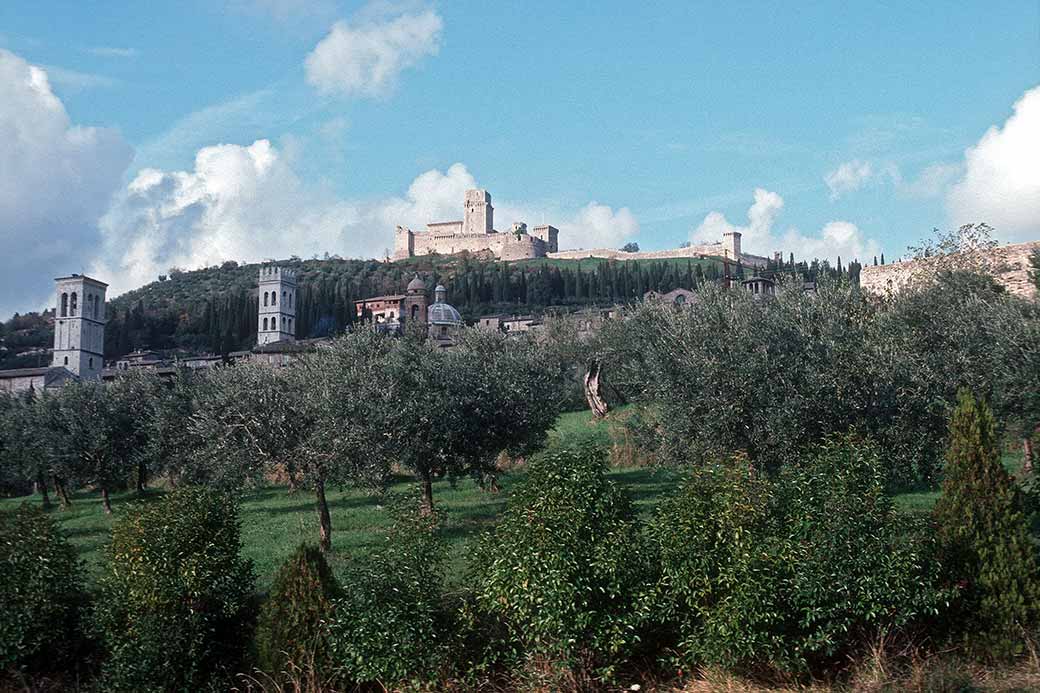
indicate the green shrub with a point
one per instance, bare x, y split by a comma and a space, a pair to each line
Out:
984, 537
792, 572
41, 588
174, 602
391, 625
564, 568
289, 629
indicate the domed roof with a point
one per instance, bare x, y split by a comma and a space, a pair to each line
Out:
440, 287
416, 285
443, 314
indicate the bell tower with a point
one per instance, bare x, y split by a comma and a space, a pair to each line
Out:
277, 298
79, 325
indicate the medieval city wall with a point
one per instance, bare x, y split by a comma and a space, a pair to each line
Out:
696, 251
503, 245
1012, 262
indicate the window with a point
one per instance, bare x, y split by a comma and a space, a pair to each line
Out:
91, 360
64, 305
73, 304
265, 322
265, 298
66, 360
290, 324
290, 299
415, 312
274, 298
283, 298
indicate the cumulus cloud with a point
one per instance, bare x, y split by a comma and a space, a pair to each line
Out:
933, 180
57, 178
848, 177
1001, 181
836, 239
247, 203
366, 59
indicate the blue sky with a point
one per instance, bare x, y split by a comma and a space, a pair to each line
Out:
817, 128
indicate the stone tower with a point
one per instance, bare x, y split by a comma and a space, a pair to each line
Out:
277, 298
414, 308
731, 245
479, 214
79, 325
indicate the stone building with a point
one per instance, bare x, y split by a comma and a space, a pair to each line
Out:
395, 309
1009, 265
476, 233
277, 301
79, 338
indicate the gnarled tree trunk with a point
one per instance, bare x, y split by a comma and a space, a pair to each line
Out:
106, 501
324, 519
593, 395
427, 492
63, 495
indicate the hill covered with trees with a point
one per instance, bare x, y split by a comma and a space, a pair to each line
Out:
214, 309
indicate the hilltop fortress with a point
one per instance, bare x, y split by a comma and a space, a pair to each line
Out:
476, 233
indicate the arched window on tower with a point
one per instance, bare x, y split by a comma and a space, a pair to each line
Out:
274, 298
415, 312
64, 305
97, 307
265, 298
283, 297
73, 304
290, 299
290, 324
265, 324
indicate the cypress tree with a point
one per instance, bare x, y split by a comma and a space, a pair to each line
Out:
984, 538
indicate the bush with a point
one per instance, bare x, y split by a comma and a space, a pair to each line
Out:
792, 572
390, 625
565, 566
290, 629
984, 537
41, 584
174, 604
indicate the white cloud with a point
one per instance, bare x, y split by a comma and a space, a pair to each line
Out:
1001, 182
836, 239
247, 203
366, 59
848, 177
933, 180
56, 179
73, 80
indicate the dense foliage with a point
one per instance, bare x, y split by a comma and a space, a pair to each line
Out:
565, 566
42, 592
771, 378
789, 572
290, 629
985, 541
174, 602
391, 624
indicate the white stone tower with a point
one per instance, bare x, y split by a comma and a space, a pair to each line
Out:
79, 325
731, 244
479, 215
277, 305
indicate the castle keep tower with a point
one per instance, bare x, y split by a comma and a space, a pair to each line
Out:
731, 245
479, 214
277, 298
79, 325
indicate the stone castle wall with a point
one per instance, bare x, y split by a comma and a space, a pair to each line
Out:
505, 246
697, 251
1012, 262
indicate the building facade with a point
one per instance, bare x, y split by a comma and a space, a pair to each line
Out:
277, 301
79, 326
475, 233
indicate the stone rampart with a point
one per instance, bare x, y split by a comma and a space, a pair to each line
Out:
1011, 263
691, 252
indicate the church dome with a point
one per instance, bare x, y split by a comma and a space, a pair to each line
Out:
416, 285
443, 314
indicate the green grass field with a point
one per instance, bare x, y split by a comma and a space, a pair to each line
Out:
275, 521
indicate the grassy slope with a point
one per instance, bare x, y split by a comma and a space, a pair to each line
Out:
274, 522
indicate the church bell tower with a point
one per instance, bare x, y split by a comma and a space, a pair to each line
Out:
277, 298
79, 325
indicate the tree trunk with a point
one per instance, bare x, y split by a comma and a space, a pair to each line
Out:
142, 477
324, 519
592, 391
63, 495
427, 493
41, 488
106, 502
1027, 455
